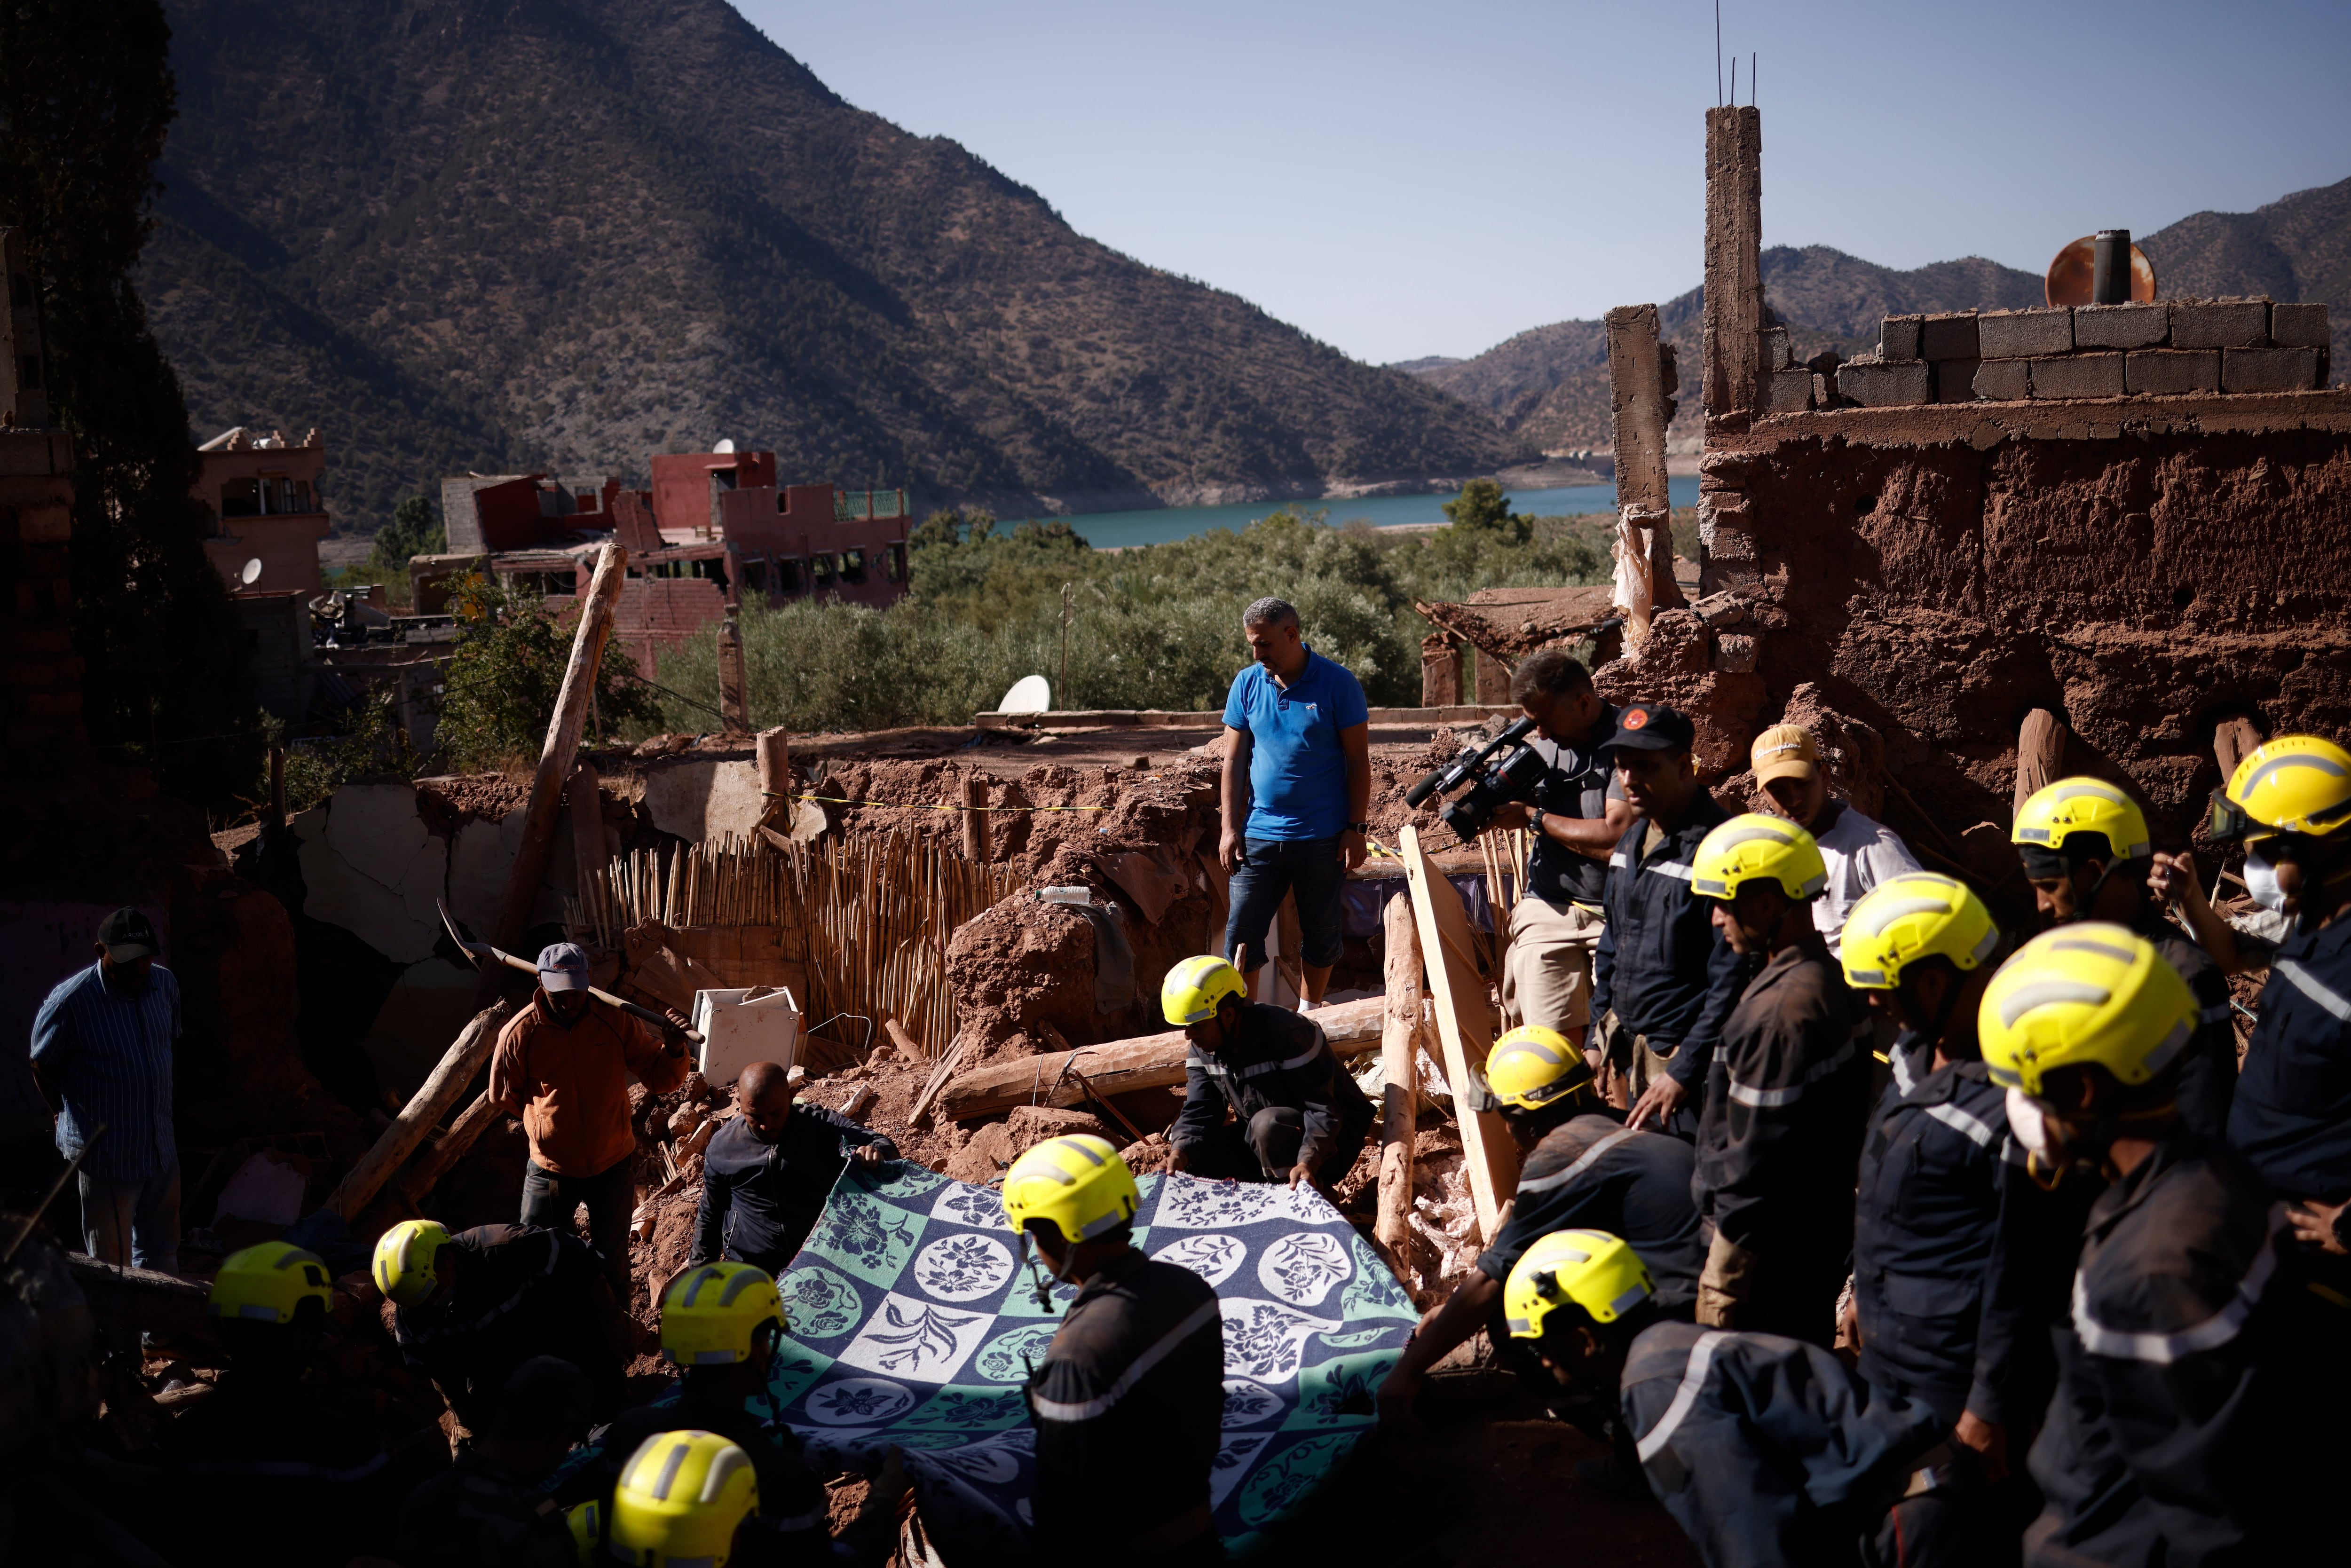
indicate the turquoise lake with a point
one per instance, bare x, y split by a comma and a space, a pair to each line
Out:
1109, 530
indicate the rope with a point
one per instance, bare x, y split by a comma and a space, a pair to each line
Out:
903, 806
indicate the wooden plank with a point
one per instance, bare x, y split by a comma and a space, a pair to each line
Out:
458, 1067
2040, 755
1465, 1028
433, 1164
1399, 1041
1148, 1061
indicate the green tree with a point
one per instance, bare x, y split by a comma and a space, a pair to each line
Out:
86, 94
413, 531
1482, 508
498, 696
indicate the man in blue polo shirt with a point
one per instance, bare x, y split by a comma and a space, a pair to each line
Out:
1297, 791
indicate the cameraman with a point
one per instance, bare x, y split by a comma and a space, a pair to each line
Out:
1577, 815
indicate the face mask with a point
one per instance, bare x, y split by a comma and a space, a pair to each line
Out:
2024, 1120
2262, 881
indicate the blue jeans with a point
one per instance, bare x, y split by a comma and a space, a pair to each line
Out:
1315, 870
134, 1222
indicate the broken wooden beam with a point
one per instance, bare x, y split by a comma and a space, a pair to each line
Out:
457, 1068
773, 748
1400, 1069
974, 819
447, 1149
1118, 1066
2040, 755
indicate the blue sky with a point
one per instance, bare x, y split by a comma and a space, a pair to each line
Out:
1409, 179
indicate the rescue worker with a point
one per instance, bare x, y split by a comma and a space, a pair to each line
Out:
2087, 854
469, 1309
1129, 1402
1859, 851
1960, 1259
682, 1501
270, 1442
2176, 1426
720, 1325
1577, 814
1298, 1116
484, 1510
1765, 1450
1663, 980
767, 1172
1787, 1096
1579, 1168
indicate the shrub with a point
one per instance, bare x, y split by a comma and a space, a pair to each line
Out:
499, 695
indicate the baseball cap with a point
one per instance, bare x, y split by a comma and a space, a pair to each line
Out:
129, 934
563, 967
1651, 726
1785, 751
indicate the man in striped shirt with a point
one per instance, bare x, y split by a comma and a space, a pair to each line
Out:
103, 1048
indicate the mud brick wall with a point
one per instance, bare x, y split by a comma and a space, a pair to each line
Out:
40, 674
2145, 570
2161, 349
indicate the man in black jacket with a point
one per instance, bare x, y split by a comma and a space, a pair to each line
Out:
1297, 1116
1663, 982
767, 1172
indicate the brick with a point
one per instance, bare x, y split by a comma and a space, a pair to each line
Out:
1775, 350
2298, 326
2269, 369
2120, 326
2078, 375
1897, 337
1950, 336
1955, 380
2221, 324
2002, 381
2024, 334
53, 704
1735, 652
1885, 384
1787, 392
1824, 390
43, 524
2168, 372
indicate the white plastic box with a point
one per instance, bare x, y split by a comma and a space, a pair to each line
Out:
758, 1023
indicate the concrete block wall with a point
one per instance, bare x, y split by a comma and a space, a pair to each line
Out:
2160, 348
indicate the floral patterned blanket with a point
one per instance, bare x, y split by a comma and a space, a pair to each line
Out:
909, 1324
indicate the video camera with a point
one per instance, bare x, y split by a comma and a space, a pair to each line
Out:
1498, 783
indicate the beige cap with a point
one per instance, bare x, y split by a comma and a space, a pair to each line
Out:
1785, 751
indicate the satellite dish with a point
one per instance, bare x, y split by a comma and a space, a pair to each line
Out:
724, 447
2068, 281
1029, 693
252, 572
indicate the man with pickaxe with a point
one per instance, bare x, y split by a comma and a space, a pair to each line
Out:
562, 1064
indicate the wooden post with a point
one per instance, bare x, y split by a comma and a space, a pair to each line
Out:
555, 759
1465, 1026
734, 694
459, 1064
974, 819
2233, 739
433, 1164
277, 787
775, 754
588, 843
2040, 755
1734, 263
1399, 1063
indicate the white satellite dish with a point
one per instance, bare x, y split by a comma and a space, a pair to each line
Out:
252, 572
724, 446
1029, 693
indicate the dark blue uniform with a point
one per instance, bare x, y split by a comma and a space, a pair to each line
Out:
2208, 1069
1292, 1103
1766, 1451
1591, 1174
1660, 965
2292, 1118
2177, 1428
760, 1201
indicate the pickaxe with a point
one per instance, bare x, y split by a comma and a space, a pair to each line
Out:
478, 951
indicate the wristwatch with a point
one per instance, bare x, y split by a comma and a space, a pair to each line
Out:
1535, 818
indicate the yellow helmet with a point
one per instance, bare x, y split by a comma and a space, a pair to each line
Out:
2055, 812
1195, 989
267, 1283
1078, 1181
404, 1258
1917, 914
2294, 784
681, 1496
1590, 1269
587, 1522
1531, 1067
712, 1314
2090, 992
1755, 847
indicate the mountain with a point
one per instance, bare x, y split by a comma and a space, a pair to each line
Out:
1549, 386
512, 234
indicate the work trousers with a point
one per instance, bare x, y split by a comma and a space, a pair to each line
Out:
1547, 978
1265, 1150
549, 1200
133, 1222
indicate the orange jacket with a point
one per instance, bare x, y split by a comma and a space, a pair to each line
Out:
570, 1086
